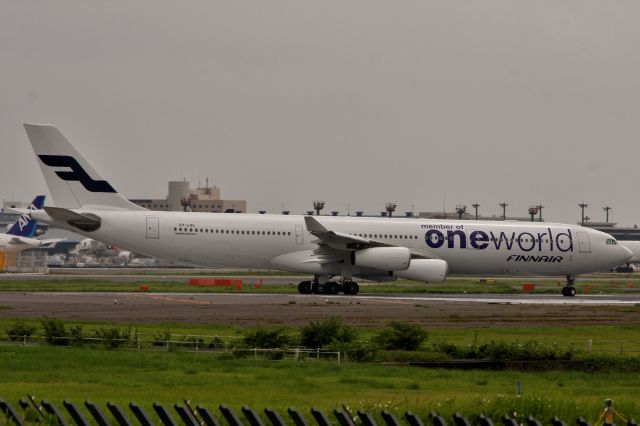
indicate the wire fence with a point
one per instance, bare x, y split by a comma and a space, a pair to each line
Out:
230, 345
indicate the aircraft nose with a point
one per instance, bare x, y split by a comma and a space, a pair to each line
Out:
625, 254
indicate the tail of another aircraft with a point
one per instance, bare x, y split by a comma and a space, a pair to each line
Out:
25, 226
72, 181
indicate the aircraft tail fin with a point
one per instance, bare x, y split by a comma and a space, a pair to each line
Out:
25, 226
72, 181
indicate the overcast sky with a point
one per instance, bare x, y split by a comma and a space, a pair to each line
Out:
353, 102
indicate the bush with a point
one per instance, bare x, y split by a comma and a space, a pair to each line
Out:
216, 343
502, 351
76, 335
55, 332
268, 339
401, 336
161, 339
354, 351
18, 330
112, 337
323, 333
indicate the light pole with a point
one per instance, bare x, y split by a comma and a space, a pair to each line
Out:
475, 206
540, 207
606, 209
317, 206
582, 206
391, 207
504, 210
460, 209
532, 212
186, 204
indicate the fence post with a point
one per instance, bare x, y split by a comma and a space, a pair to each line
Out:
590, 343
255, 353
339, 357
167, 342
318, 353
24, 340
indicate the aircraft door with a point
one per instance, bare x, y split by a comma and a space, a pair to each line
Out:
299, 235
153, 228
584, 245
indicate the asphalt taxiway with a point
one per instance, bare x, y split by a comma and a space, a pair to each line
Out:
460, 310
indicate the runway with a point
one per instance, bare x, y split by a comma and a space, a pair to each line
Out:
294, 309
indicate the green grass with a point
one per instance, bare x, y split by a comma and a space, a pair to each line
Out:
454, 285
605, 339
84, 373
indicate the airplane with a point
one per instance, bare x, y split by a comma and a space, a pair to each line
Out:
378, 249
20, 235
634, 246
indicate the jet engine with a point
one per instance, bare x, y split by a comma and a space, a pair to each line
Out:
382, 258
425, 270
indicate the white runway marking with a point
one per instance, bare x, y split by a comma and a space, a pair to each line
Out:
519, 300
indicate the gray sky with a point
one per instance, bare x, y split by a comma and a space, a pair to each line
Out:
353, 102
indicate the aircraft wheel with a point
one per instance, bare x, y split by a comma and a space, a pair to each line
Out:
350, 288
333, 288
568, 291
304, 287
318, 288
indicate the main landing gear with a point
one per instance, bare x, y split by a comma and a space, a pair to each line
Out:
347, 287
569, 290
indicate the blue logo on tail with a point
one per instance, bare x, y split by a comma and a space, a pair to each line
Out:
77, 173
25, 226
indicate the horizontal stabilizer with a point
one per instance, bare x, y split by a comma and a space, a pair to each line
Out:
83, 221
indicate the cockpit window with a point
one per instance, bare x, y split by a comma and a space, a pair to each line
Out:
611, 242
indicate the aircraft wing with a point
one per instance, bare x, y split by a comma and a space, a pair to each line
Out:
339, 240
51, 241
334, 246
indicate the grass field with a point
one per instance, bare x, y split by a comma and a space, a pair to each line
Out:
452, 285
610, 339
77, 374
92, 372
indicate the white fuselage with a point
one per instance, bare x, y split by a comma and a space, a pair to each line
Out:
283, 242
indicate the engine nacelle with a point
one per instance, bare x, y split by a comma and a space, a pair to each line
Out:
425, 270
382, 258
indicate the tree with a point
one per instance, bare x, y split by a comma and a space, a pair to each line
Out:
401, 336
321, 334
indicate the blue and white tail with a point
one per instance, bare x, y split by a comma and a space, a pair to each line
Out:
72, 181
25, 226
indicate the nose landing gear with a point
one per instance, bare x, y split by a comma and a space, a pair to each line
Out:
569, 290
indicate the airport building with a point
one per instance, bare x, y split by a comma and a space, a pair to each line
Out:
203, 199
471, 216
627, 233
